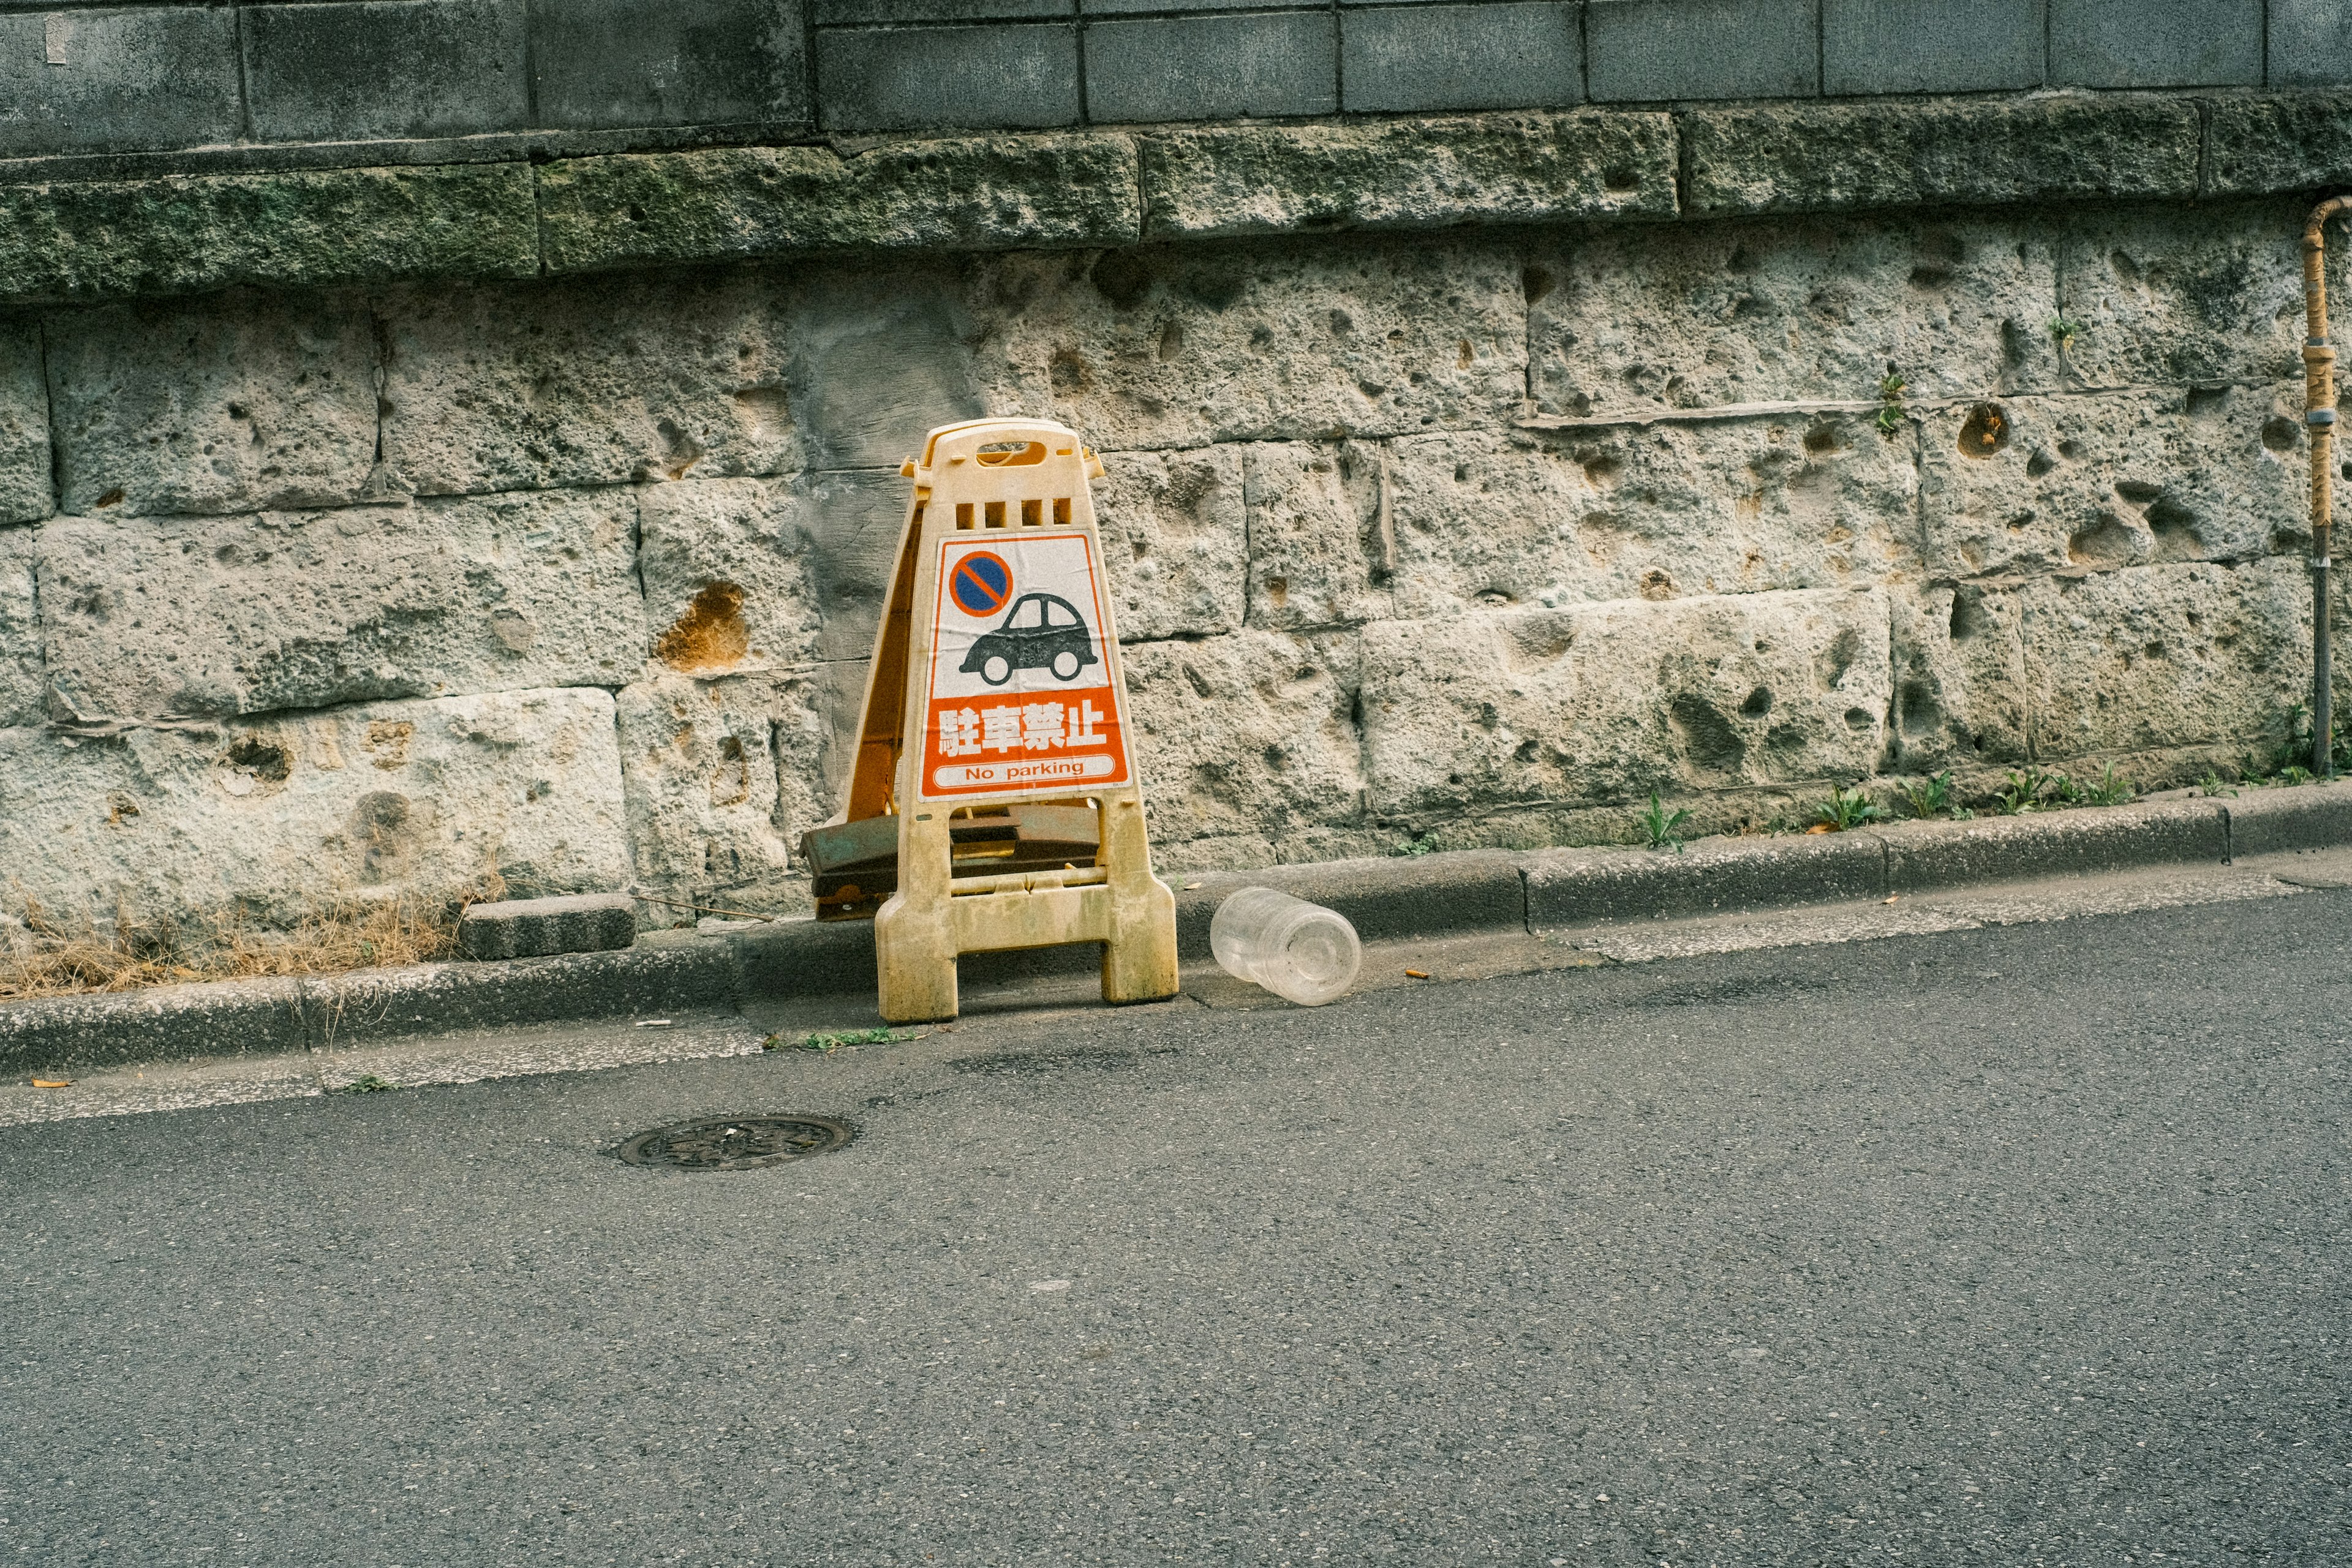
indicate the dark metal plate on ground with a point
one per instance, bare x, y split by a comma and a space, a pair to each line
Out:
737, 1143
854, 865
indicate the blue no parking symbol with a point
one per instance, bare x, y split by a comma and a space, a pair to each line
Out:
980, 583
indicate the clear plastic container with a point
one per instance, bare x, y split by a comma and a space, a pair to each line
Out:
1300, 952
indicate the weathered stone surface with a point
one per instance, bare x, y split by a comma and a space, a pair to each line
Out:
146, 616
1246, 739
880, 358
1321, 553
984, 193
23, 423
1611, 702
282, 817
2178, 296
1183, 348
1650, 511
2260, 144
228, 404
545, 928
1963, 694
2167, 656
20, 631
1836, 157
1408, 174
1637, 320
587, 382
1175, 541
2106, 479
854, 518
295, 229
726, 575
723, 777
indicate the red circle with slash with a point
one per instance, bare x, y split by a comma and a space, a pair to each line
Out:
980, 582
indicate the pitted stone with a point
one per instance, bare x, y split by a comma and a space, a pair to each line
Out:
851, 535
2121, 479
587, 382
1246, 738
2263, 142
146, 616
880, 358
1174, 538
2182, 296
726, 575
235, 404
279, 818
1182, 347
24, 425
1963, 694
544, 928
1321, 552
1650, 511
1636, 320
1610, 701
20, 632
2168, 656
721, 778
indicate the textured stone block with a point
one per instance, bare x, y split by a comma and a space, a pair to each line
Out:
966, 194
881, 357
279, 818
1636, 320
1320, 553
723, 777
1586, 887
110, 80
854, 518
586, 382
295, 229
1650, 51
602, 64
2167, 656
1924, 856
2309, 44
1419, 173
226, 405
24, 495
1931, 46
147, 617
725, 575
1609, 701
20, 632
1213, 68
544, 928
2123, 478
1836, 157
2156, 43
892, 78
2182, 297
2290, 142
1963, 693
1183, 348
1653, 513
1247, 738
876, 13
316, 73
1424, 58
1175, 541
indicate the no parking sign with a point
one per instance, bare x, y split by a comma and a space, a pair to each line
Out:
1020, 695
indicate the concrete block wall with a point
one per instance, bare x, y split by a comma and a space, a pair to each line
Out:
1459, 539
209, 83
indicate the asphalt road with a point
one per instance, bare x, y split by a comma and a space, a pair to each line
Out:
2019, 1245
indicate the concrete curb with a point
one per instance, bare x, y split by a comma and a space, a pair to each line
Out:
1424, 896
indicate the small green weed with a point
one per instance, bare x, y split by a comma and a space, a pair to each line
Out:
2211, 786
2064, 332
1931, 796
1663, 828
1890, 388
1846, 808
2292, 776
371, 1084
2023, 792
2110, 790
833, 1042
1424, 845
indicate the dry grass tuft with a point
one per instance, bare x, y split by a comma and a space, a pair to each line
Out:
45, 956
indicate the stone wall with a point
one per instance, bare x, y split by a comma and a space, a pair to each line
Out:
1466, 537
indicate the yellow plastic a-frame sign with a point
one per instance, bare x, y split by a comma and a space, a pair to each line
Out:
995, 731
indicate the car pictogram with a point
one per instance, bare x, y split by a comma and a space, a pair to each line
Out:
1041, 632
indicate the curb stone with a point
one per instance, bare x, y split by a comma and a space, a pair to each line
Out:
1458, 893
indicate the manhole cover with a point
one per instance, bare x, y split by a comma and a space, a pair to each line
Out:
738, 1142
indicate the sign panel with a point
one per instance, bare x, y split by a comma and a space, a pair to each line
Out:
1020, 696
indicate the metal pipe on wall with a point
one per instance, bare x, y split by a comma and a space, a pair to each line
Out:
2319, 416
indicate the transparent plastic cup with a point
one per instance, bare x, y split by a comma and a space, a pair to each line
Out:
1302, 952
